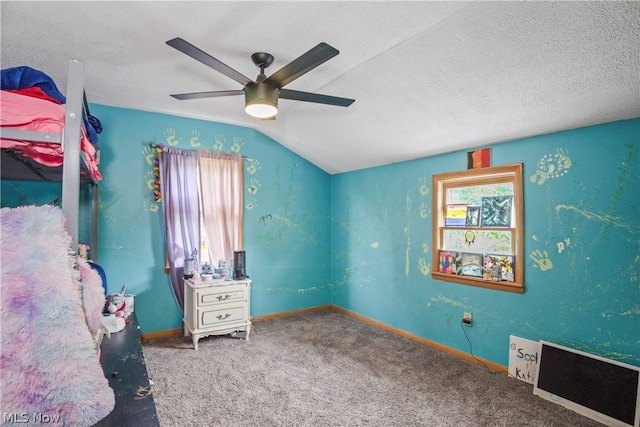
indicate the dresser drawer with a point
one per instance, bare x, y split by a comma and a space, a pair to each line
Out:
213, 296
221, 315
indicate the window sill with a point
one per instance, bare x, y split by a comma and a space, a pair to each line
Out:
514, 287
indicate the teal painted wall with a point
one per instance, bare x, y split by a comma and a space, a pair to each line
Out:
362, 240
582, 248
287, 214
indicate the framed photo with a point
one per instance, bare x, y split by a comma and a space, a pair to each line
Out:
456, 216
473, 216
469, 264
447, 264
496, 211
498, 268
480, 158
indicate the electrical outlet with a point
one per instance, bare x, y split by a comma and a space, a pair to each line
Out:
467, 319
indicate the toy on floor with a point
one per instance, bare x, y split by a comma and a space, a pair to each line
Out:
115, 311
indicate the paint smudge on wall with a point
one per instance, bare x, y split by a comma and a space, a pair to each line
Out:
541, 260
630, 312
625, 171
562, 245
292, 225
444, 300
406, 256
551, 166
608, 219
407, 231
345, 280
263, 219
307, 290
375, 245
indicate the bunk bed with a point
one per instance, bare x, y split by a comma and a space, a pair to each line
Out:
102, 382
51, 299
52, 145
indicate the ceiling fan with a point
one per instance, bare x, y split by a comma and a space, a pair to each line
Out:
261, 95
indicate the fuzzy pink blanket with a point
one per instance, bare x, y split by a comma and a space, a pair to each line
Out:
50, 368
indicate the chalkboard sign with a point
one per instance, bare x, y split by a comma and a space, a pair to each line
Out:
602, 389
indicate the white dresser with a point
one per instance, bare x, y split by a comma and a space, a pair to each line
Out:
216, 307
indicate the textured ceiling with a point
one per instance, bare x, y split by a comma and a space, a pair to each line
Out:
427, 77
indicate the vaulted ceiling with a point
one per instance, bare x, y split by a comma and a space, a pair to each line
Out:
427, 77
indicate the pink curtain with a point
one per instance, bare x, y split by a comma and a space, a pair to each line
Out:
222, 198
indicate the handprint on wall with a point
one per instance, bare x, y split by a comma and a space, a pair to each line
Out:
424, 213
254, 186
149, 153
251, 203
171, 139
423, 266
237, 145
253, 167
150, 180
424, 189
194, 139
541, 259
551, 166
219, 141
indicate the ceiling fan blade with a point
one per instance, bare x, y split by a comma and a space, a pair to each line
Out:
214, 94
303, 64
296, 95
199, 55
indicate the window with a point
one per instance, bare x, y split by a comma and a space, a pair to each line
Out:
214, 179
478, 228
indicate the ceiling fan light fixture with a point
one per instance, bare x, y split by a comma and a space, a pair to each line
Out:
261, 95
261, 100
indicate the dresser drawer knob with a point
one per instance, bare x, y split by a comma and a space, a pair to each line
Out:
222, 298
221, 317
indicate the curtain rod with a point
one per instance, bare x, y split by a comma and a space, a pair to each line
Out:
152, 145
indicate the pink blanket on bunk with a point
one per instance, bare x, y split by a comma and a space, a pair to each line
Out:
48, 311
34, 114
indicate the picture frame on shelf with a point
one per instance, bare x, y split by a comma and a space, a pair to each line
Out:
473, 216
470, 264
447, 264
498, 268
496, 211
456, 215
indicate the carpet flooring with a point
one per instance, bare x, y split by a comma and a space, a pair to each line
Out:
325, 368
